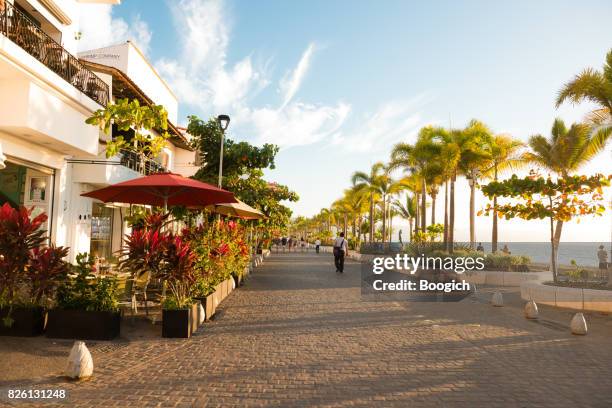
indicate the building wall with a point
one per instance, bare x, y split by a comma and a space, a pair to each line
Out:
131, 61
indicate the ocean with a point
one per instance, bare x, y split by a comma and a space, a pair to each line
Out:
584, 253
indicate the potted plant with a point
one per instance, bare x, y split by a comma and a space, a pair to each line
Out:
176, 318
29, 272
86, 305
178, 273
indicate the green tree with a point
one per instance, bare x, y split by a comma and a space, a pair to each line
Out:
149, 124
558, 200
565, 151
475, 147
421, 160
238, 157
594, 86
243, 166
407, 210
367, 184
505, 155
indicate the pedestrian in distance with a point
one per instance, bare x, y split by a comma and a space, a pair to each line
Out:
480, 248
602, 257
340, 250
284, 242
317, 245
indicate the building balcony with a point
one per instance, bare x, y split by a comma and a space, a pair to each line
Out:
125, 166
140, 164
22, 31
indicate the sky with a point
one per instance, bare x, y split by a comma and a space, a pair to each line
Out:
337, 83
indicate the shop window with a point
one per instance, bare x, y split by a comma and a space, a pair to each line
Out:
12, 184
101, 231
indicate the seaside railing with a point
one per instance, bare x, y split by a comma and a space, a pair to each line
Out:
21, 30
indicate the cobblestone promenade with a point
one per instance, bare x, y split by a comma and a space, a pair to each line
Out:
299, 334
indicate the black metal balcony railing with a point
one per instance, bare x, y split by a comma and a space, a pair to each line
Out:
20, 29
140, 164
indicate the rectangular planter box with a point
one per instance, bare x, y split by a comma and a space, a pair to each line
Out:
222, 291
83, 325
27, 322
176, 323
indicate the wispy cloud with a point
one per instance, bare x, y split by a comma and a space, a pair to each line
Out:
204, 79
292, 81
99, 28
392, 122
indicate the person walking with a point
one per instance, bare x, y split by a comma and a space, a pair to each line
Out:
317, 245
340, 250
602, 257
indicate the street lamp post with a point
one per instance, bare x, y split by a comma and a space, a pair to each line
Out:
223, 121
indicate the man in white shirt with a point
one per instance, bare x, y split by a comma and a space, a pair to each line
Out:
317, 244
340, 250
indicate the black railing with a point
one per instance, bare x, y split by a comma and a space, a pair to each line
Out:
20, 29
140, 163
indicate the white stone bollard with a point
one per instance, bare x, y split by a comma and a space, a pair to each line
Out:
80, 363
497, 299
201, 314
531, 310
578, 324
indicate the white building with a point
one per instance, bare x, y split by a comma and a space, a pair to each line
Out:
50, 154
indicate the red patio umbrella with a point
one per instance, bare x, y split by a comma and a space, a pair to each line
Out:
163, 189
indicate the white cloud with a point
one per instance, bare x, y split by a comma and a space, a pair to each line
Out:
298, 124
203, 79
392, 122
99, 28
291, 83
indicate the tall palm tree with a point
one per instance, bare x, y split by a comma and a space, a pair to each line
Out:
386, 187
407, 210
367, 184
475, 147
564, 152
418, 159
342, 208
505, 155
594, 86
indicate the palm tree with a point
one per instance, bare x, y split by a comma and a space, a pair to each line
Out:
407, 210
419, 159
592, 85
504, 156
475, 147
564, 152
366, 184
386, 187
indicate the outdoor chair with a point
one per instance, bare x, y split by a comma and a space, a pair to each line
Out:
139, 288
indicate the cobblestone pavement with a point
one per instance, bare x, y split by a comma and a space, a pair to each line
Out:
300, 335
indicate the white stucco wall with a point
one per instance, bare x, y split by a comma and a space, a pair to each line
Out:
130, 60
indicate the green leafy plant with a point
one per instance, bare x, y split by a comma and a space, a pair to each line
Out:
143, 120
86, 291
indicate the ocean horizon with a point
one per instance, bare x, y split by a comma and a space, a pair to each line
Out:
584, 253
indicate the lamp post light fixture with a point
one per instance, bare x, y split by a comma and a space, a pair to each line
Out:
223, 121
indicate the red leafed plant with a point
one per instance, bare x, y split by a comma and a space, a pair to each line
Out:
47, 269
178, 271
26, 267
19, 235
